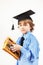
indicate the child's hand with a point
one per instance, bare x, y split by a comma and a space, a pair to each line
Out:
15, 47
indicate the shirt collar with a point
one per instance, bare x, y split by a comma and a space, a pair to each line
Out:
26, 35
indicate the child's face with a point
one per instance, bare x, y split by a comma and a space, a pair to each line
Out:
24, 26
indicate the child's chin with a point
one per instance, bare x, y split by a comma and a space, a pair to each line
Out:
24, 32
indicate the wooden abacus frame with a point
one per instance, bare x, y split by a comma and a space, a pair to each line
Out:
16, 55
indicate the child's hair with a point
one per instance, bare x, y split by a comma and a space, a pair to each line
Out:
30, 23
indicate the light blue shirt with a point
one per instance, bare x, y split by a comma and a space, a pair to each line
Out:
29, 50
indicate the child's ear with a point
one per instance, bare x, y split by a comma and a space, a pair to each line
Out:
30, 28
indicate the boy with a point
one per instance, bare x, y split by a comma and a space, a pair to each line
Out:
27, 43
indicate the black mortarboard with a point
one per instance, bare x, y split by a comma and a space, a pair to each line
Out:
25, 15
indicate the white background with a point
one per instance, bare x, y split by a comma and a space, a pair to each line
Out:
10, 8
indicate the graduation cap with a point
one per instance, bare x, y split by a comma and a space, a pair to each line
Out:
25, 15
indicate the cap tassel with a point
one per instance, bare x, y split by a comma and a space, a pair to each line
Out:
12, 27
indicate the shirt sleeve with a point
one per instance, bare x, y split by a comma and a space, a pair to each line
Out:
33, 50
25, 52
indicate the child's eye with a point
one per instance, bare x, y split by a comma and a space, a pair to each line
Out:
25, 25
20, 25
